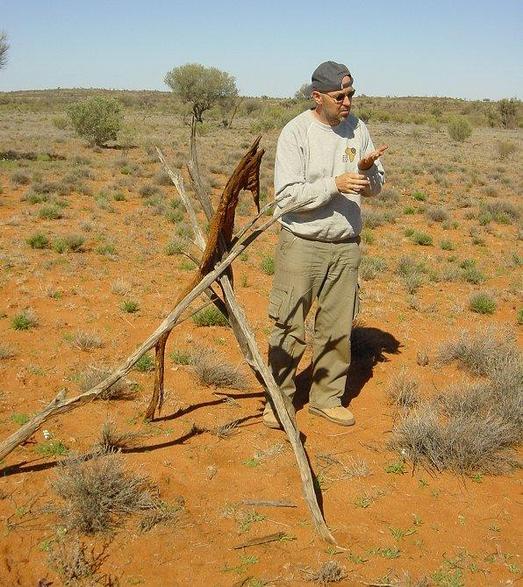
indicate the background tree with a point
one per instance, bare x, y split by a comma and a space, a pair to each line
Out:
304, 92
201, 86
97, 119
508, 111
4, 46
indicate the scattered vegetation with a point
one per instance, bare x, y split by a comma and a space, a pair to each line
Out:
97, 493
211, 369
482, 303
210, 316
95, 374
470, 427
25, 320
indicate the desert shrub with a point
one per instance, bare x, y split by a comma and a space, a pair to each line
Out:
71, 242
459, 129
180, 357
51, 212
145, 363
519, 318
386, 198
470, 272
213, 370
508, 111
38, 241
111, 441
73, 561
148, 190
488, 352
482, 303
502, 211
373, 218
20, 178
419, 196
371, 266
437, 214
403, 390
421, 238
471, 426
210, 316
506, 149
267, 265
329, 572
412, 273
95, 374
130, 306
6, 351
97, 119
25, 320
85, 341
97, 492
447, 245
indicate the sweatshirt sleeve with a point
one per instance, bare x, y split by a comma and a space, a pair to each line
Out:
376, 174
290, 183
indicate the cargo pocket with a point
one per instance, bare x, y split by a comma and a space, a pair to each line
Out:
279, 304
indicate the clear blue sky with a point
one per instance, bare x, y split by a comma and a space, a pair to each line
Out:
468, 49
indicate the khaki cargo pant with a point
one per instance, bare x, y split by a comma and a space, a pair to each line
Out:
307, 270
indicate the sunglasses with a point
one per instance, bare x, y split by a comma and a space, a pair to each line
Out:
339, 98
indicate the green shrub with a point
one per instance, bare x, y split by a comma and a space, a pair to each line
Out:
447, 245
72, 242
421, 238
520, 316
459, 129
145, 363
97, 119
130, 306
181, 357
210, 316
267, 265
419, 196
51, 212
38, 241
25, 320
482, 303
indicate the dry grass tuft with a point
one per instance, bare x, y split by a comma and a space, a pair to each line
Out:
73, 561
472, 427
403, 390
86, 341
110, 440
96, 492
329, 572
6, 351
226, 430
94, 375
163, 513
213, 370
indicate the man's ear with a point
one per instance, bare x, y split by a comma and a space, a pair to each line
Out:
316, 96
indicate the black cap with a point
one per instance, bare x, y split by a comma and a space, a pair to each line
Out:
328, 75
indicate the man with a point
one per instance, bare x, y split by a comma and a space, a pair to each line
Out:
326, 160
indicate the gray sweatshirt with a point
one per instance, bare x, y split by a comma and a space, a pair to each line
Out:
309, 156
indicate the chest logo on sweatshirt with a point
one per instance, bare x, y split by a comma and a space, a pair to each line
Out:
350, 153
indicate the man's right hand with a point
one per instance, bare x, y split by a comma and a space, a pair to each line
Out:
351, 182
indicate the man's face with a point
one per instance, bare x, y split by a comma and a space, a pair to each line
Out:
335, 106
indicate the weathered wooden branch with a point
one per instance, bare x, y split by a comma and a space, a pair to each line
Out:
245, 335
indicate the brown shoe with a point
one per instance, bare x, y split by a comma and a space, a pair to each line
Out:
269, 418
338, 415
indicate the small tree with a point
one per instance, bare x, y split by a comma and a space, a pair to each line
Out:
201, 86
508, 111
97, 119
304, 92
459, 129
4, 46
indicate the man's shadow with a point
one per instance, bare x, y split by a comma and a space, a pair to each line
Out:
369, 346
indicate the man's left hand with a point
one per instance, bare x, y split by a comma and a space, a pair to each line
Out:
368, 161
